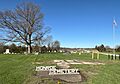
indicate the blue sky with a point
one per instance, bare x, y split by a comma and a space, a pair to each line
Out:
78, 23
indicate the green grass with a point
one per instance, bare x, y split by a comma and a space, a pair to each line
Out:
18, 69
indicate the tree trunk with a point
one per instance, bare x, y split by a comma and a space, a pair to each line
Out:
29, 49
29, 45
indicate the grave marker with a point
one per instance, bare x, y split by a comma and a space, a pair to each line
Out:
7, 51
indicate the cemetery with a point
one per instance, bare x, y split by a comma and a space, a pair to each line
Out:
82, 48
54, 68
64, 67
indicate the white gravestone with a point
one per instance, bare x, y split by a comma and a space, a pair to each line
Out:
7, 51
36, 53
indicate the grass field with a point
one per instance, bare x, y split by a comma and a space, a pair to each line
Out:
18, 69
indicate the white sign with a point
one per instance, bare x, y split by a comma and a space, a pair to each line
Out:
63, 71
45, 68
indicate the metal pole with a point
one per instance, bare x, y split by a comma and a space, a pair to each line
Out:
114, 24
113, 39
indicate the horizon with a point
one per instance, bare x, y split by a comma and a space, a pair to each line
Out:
79, 23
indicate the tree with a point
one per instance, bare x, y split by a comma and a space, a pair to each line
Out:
49, 43
96, 47
21, 49
118, 48
56, 45
43, 49
100, 48
108, 49
36, 48
44, 41
13, 48
2, 47
23, 25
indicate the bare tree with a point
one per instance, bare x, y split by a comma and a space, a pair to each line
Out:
1, 47
56, 45
23, 25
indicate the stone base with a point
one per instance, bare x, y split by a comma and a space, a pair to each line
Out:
69, 78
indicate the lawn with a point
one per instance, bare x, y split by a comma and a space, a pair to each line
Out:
18, 69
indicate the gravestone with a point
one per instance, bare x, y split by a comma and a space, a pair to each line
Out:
25, 53
36, 53
7, 51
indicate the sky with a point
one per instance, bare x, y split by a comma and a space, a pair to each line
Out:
78, 23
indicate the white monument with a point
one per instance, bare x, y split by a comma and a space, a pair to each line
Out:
7, 51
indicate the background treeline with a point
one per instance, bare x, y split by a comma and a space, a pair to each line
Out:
51, 47
103, 48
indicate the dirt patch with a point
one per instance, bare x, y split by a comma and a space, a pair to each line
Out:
78, 62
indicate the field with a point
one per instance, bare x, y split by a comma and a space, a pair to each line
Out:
18, 69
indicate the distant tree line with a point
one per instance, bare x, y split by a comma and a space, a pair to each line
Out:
51, 47
13, 48
103, 48
117, 49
